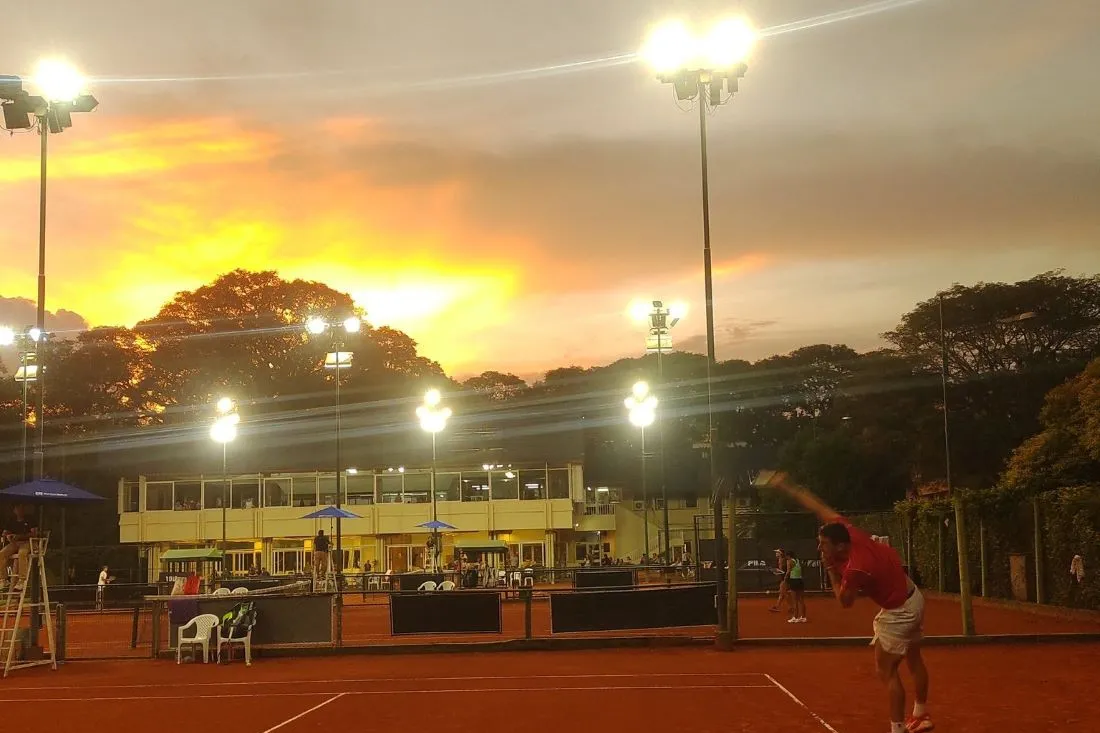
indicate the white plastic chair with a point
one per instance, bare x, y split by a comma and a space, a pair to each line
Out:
447, 585
221, 592
244, 641
427, 585
202, 625
239, 591
374, 582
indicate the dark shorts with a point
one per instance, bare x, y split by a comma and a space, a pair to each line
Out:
796, 584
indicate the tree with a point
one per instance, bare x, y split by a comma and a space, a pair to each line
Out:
1067, 450
496, 385
997, 327
100, 377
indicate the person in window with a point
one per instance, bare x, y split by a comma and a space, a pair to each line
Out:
320, 555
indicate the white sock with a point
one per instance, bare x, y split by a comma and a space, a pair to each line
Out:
918, 709
897, 727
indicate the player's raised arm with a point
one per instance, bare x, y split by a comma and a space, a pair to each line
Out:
782, 482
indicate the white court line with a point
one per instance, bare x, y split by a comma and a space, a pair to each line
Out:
805, 707
304, 713
453, 691
349, 680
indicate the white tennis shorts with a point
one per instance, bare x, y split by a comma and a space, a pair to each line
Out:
898, 628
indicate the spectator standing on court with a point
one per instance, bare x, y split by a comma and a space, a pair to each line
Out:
782, 571
320, 555
101, 587
857, 565
797, 587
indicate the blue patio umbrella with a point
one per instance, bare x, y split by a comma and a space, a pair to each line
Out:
331, 512
48, 490
435, 524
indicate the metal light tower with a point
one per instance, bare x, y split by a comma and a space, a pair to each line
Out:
224, 431
433, 419
660, 320
705, 69
336, 360
642, 410
60, 88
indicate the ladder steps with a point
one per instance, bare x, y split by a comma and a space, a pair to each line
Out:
16, 605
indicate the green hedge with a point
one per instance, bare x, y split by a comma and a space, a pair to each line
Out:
1069, 523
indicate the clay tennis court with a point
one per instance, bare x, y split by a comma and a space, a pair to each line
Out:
781, 690
108, 634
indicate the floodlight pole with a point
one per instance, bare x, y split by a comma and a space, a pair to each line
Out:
40, 320
225, 501
702, 84
339, 528
667, 554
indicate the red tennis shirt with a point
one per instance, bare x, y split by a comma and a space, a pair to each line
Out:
874, 570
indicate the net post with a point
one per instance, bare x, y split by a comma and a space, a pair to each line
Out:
135, 624
527, 593
155, 646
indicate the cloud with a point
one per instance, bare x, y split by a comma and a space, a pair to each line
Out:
482, 253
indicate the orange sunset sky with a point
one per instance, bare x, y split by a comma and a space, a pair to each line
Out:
500, 179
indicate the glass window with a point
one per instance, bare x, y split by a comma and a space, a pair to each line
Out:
287, 562
245, 493
327, 487
187, 495
158, 496
389, 488
504, 485
475, 486
131, 496
446, 487
532, 554
418, 488
532, 484
213, 495
305, 491
276, 492
558, 479
359, 488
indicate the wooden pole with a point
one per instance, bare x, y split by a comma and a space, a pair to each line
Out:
965, 601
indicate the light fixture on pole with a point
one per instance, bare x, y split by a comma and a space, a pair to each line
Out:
224, 431
642, 410
336, 360
433, 419
25, 374
60, 88
660, 319
706, 69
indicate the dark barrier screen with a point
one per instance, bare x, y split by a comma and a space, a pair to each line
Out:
609, 578
447, 612
279, 620
632, 609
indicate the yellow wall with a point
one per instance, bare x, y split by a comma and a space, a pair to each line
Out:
511, 515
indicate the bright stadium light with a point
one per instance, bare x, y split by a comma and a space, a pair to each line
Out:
58, 81
316, 325
225, 405
7, 336
728, 44
670, 47
352, 324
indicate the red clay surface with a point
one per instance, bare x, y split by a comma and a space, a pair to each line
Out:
92, 634
778, 690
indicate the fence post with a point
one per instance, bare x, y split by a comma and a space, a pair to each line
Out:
941, 569
981, 554
1040, 590
62, 626
527, 593
965, 601
156, 629
731, 585
135, 624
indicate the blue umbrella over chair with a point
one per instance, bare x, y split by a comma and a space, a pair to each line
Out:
46, 490
331, 512
435, 525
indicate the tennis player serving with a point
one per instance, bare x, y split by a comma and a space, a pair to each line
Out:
857, 565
